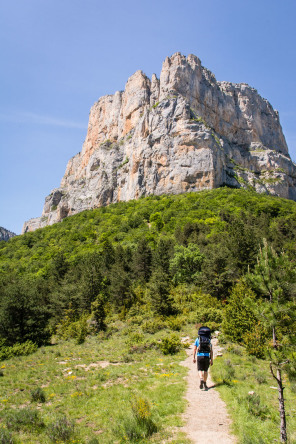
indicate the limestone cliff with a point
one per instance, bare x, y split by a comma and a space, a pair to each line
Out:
5, 235
185, 131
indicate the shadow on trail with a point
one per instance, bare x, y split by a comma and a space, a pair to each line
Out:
216, 385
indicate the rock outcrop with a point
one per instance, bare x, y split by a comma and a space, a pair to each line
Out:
183, 132
5, 235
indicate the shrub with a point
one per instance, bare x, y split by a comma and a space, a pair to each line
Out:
255, 341
6, 437
93, 441
38, 395
238, 316
153, 325
175, 323
141, 408
229, 373
235, 350
26, 348
24, 419
139, 425
98, 308
170, 344
135, 338
77, 330
254, 406
260, 378
61, 430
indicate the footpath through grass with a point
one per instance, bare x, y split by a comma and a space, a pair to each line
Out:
250, 393
107, 390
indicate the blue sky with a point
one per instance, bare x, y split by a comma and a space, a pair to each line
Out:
59, 56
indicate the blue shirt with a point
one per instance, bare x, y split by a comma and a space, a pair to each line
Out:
201, 354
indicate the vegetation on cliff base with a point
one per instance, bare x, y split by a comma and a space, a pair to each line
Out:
159, 263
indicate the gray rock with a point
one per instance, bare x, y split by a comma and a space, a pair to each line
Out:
182, 132
5, 235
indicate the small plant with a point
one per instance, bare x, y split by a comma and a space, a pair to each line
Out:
153, 325
6, 437
235, 350
141, 408
255, 341
25, 348
260, 378
38, 395
255, 407
126, 160
127, 358
24, 419
135, 338
170, 344
140, 425
61, 430
176, 323
229, 373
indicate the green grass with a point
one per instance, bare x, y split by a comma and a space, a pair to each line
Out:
93, 385
255, 417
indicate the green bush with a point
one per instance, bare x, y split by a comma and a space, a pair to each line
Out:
38, 395
6, 437
138, 426
170, 344
135, 338
254, 406
24, 419
24, 349
239, 317
153, 325
61, 430
77, 330
260, 378
228, 373
255, 341
176, 323
235, 350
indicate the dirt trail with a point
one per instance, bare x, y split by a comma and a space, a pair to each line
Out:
207, 421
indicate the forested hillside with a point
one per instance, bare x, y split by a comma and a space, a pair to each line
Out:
155, 252
127, 281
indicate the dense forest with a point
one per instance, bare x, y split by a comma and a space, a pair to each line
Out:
164, 256
225, 258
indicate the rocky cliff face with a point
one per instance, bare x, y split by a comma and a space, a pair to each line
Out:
182, 132
5, 235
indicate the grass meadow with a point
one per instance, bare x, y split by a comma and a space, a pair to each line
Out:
250, 393
107, 390
120, 386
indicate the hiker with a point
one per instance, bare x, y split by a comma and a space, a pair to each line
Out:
203, 350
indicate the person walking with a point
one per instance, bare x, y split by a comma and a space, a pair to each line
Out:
203, 354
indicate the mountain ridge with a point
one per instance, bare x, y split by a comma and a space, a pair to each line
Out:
5, 234
182, 132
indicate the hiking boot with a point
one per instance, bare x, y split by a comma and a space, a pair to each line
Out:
205, 386
201, 384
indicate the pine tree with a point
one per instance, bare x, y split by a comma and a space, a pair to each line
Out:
274, 277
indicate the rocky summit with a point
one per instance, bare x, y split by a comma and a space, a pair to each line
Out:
183, 132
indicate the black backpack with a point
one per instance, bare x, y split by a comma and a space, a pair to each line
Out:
204, 337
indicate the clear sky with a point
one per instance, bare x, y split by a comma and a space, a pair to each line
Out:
59, 56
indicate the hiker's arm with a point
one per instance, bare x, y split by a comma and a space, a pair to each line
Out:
211, 356
194, 353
